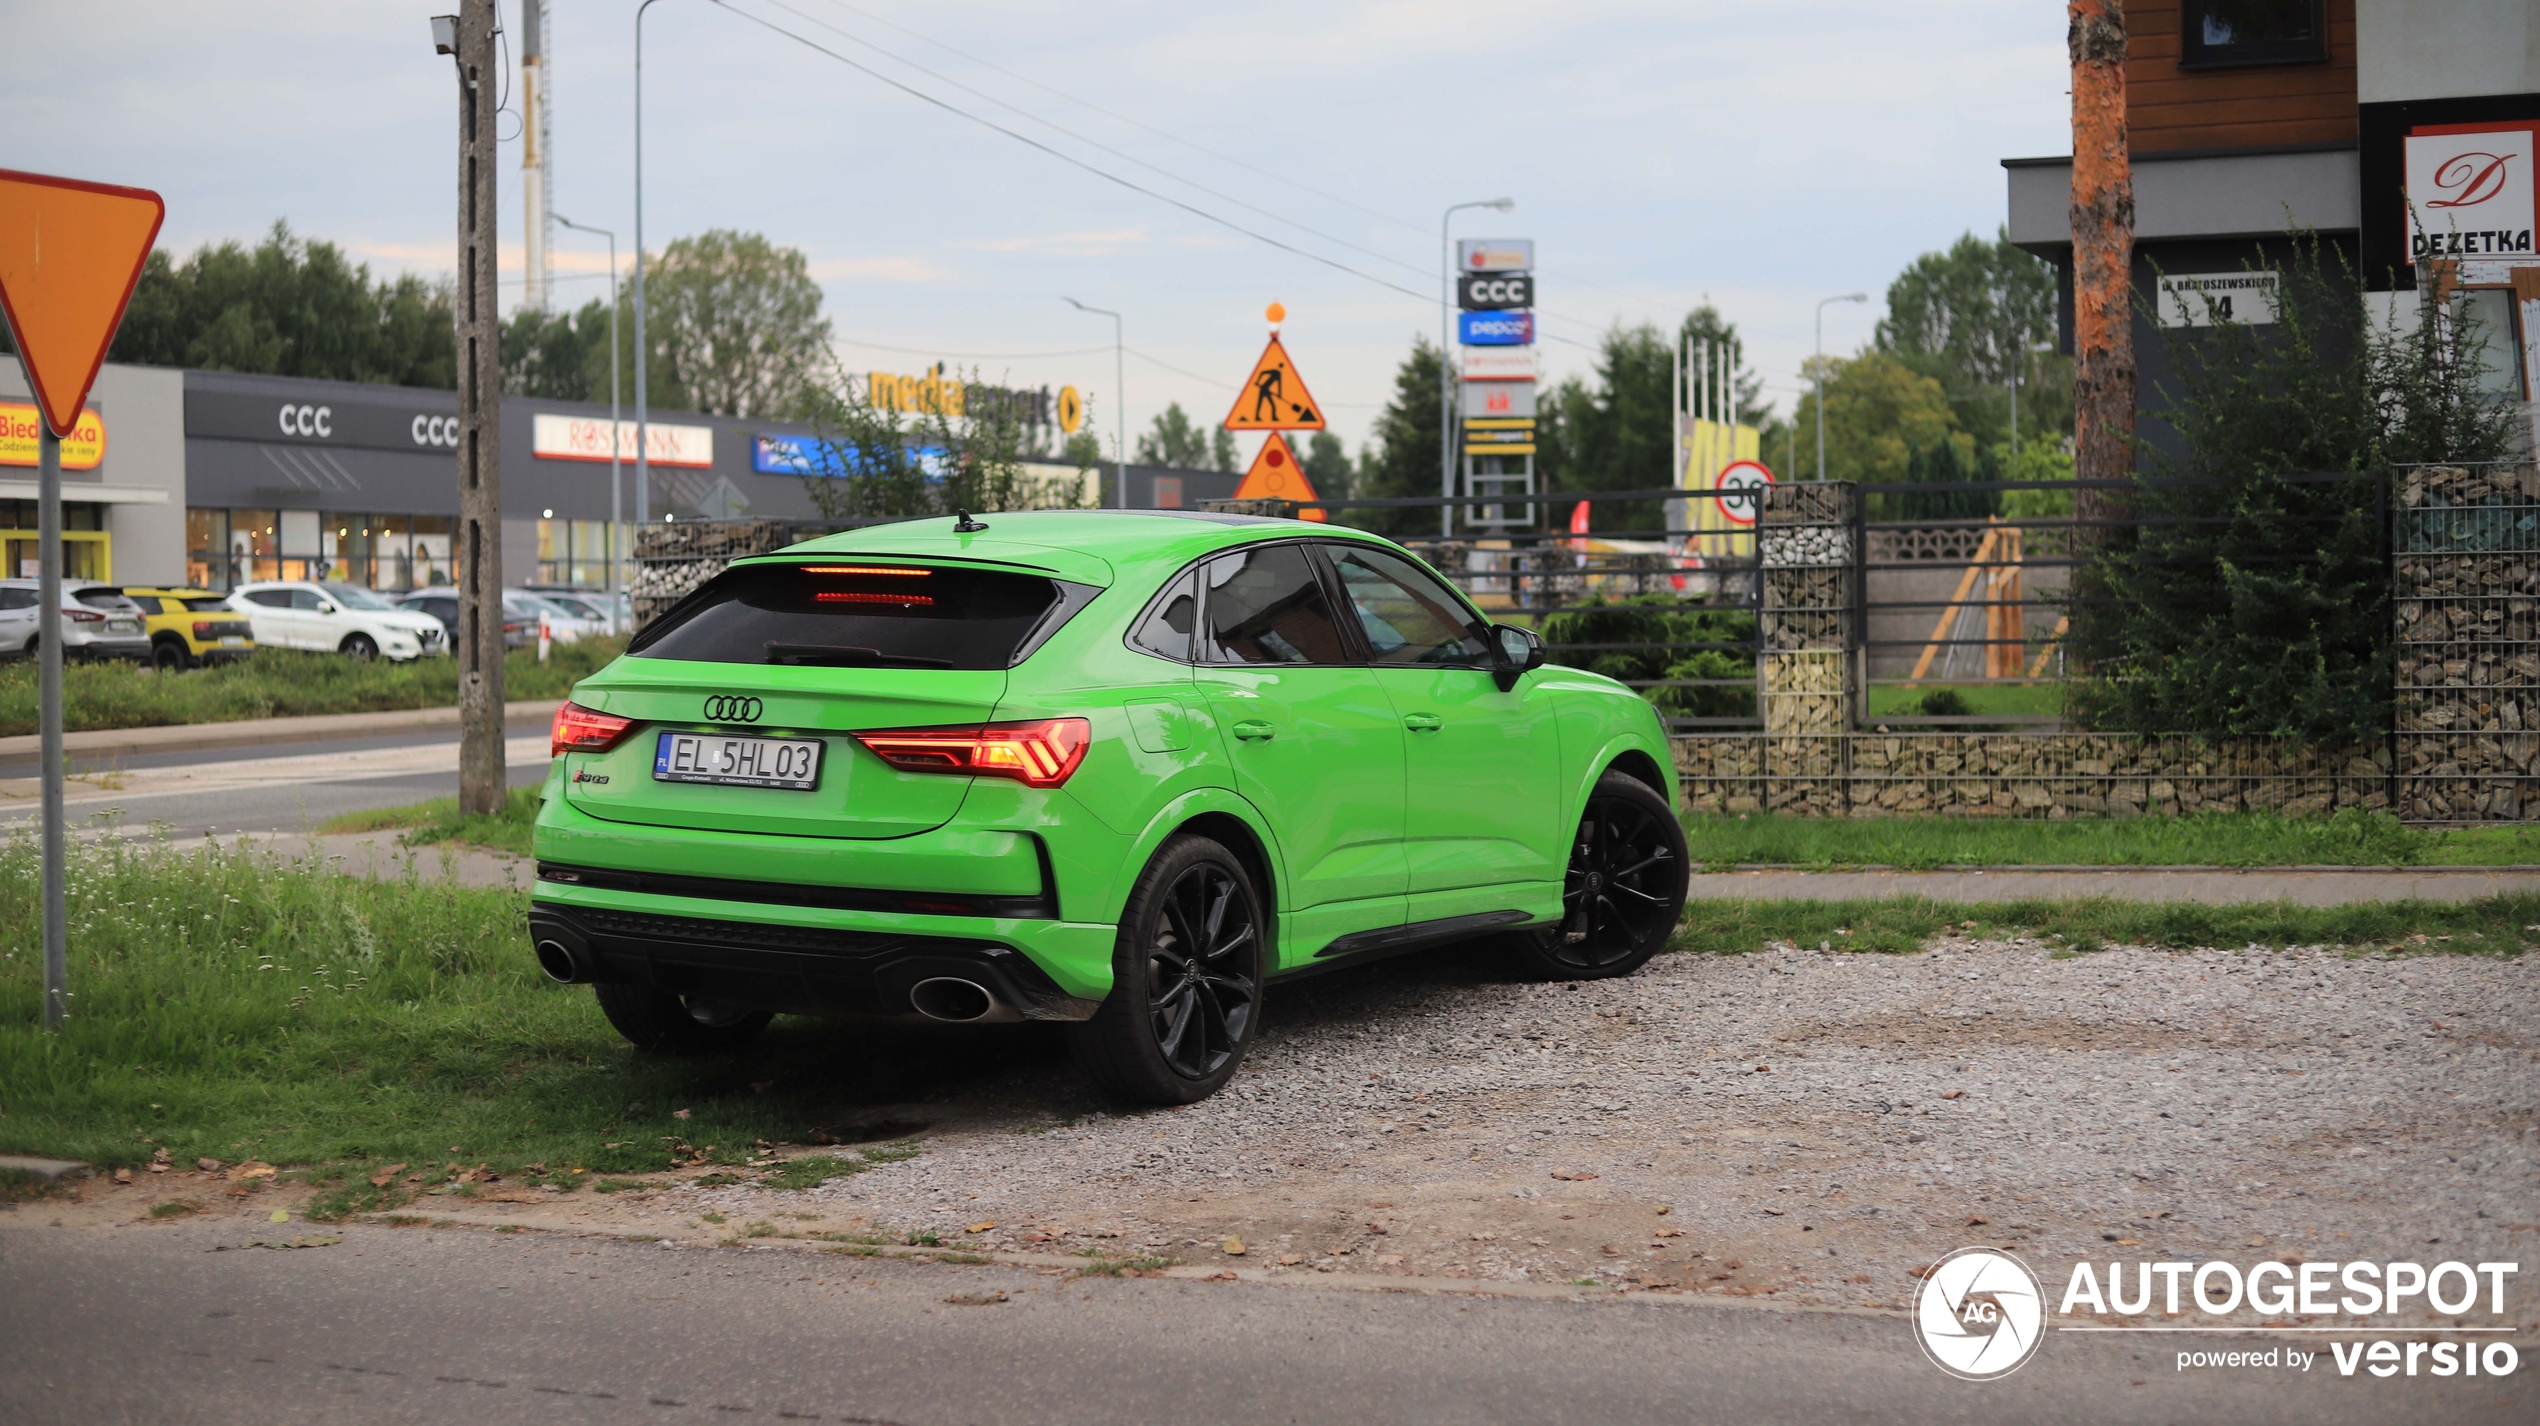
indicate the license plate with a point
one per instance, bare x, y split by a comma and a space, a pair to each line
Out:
788, 763
232, 641
122, 626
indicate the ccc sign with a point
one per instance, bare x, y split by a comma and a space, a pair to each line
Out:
1494, 291
317, 421
436, 430
725, 708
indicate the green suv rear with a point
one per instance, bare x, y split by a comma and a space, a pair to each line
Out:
1120, 769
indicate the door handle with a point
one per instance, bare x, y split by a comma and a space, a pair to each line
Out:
1423, 722
1252, 730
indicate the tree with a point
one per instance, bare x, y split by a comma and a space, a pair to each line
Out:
1326, 465
2250, 603
563, 356
735, 326
1401, 455
865, 460
1879, 411
287, 307
1176, 441
1970, 317
2103, 254
1221, 449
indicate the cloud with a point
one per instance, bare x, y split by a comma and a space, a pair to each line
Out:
876, 269
1100, 243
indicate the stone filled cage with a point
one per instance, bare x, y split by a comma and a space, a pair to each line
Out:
2465, 611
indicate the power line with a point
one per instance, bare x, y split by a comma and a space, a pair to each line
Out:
964, 356
1073, 161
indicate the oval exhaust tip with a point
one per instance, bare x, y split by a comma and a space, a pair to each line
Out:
948, 998
557, 962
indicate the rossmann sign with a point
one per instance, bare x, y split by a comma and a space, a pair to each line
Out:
2470, 191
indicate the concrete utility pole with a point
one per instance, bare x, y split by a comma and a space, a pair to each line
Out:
539, 259
2103, 260
483, 785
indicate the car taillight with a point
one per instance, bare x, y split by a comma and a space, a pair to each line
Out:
202, 628
83, 616
1042, 753
585, 730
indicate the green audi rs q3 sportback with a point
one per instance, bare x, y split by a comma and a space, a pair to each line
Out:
1122, 769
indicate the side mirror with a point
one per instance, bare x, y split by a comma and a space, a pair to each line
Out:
1520, 653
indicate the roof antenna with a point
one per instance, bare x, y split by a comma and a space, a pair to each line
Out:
964, 525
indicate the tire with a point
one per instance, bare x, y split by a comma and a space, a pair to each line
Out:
169, 656
657, 1022
1623, 893
359, 646
1177, 1024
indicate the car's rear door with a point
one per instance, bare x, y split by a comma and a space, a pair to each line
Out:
1314, 743
269, 614
1482, 801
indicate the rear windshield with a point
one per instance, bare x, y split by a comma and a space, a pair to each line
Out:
106, 599
857, 615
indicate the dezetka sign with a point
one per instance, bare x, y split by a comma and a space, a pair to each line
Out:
586, 438
82, 449
2469, 192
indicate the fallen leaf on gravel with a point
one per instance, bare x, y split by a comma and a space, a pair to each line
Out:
982, 1226
2129, 1242
311, 1242
1665, 1208
1389, 1260
1611, 1251
1376, 1228
208, 1165
1669, 1233
123, 1175
1923, 1271
252, 1170
1763, 1069
2257, 1242
1289, 1260
1953, 1094
1234, 1247
280, 1215
1975, 1220
386, 1176
1567, 1176
1227, 1276
1772, 1213
975, 1299
680, 1113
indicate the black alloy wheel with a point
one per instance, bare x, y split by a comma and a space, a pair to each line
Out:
1623, 892
1186, 993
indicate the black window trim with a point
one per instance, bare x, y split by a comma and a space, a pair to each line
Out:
2252, 54
1155, 605
1322, 576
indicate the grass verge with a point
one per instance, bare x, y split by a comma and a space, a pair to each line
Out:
279, 683
2210, 839
438, 820
230, 1007
2496, 925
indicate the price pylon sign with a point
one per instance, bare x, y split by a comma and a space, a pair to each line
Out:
70, 254
1274, 397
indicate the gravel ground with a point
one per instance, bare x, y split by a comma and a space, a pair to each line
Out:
1796, 1125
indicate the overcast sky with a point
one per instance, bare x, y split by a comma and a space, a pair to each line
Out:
1762, 156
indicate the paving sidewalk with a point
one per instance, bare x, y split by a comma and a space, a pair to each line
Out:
2303, 885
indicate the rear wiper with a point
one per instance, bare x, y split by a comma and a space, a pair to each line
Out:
845, 656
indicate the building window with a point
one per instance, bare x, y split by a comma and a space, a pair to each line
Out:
391, 553
2220, 34
577, 552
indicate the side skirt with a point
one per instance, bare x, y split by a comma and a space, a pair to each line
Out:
1360, 947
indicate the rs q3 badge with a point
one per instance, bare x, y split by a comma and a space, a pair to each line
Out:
729, 708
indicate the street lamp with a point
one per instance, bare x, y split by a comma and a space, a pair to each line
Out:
616, 511
1120, 389
643, 444
1819, 373
1446, 369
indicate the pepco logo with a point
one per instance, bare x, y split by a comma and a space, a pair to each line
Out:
2478, 176
731, 708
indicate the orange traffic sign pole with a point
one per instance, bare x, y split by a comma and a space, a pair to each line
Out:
70, 254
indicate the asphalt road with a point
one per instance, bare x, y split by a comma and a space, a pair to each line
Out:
151, 1324
293, 787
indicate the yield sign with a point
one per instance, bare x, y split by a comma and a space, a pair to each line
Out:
70, 253
1276, 475
1274, 397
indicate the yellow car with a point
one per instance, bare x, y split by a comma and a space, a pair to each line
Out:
190, 628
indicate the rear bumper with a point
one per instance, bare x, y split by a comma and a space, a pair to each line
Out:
804, 969
134, 648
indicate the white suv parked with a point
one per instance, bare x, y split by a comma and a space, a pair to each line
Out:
343, 618
96, 621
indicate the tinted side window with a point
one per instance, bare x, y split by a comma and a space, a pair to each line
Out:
1265, 605
308, 599
854, 613
1166, 630
17, 598
199, 606
1409, 617
270, 598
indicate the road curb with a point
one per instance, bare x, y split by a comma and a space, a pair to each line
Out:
258, 732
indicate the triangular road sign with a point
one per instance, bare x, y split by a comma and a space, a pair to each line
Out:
70, 253
1274, 397
1276, 474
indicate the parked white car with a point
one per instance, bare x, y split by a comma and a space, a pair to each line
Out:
565, 624
342, 618
609, 610
97, 621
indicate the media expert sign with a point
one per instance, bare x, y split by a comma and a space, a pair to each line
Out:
1495, 255
20, 425
1494, 291
586, 438
1495, 329
2206, 299
2470, 191
931, 393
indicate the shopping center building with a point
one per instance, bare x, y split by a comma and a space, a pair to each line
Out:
216, 478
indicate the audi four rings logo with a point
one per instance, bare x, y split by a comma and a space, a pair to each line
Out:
308, 420
724, 708
436, 430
